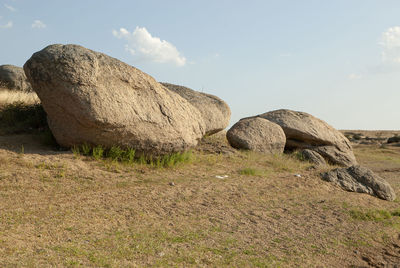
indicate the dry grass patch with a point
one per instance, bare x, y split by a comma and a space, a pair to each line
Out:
64, 210
12, 96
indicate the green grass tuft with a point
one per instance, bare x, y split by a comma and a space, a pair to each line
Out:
97, 152
129, 155
250, 171
85, 149
370, 215
115, 153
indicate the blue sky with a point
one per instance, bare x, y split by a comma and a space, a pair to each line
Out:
338, 60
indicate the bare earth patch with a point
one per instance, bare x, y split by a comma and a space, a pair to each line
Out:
61, 209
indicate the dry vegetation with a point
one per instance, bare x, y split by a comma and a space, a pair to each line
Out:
9, 97
214, 207
65, 209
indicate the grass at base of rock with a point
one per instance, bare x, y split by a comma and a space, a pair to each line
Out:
129, 156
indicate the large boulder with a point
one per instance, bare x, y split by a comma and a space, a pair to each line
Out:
13, 78
361, 180
90, 97
216, 113
257, 134
304, 131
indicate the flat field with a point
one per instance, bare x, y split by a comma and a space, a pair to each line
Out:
63, 209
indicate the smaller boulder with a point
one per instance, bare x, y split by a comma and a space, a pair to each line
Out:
257, 134
13, 78
304, 131
361, 180
313, 157
215, 112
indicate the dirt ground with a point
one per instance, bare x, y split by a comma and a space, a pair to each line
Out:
223, 209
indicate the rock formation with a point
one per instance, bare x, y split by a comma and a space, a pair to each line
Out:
216, 113
90, 97
13, 78
304, 131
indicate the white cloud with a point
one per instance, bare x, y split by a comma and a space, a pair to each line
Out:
10, 8
142, 44
354, 76
7, 26
38, 24
390, 42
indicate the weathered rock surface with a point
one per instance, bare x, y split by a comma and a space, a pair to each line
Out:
257, 134
335, 156
13, 78
304, 131
216, 113
362, 180
313, 157
91, 97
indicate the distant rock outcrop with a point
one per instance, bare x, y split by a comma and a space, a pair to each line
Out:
90, 97
393, 139
257, 134
362, 180
304, 131
216, 113
13, 78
